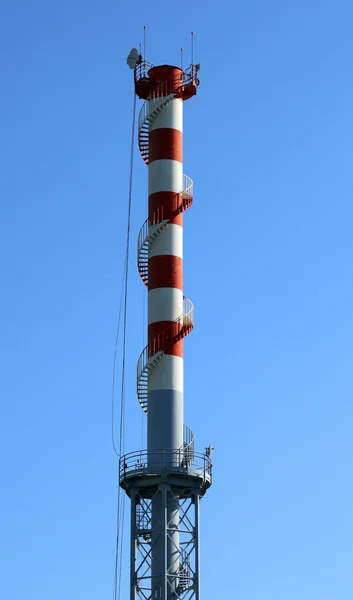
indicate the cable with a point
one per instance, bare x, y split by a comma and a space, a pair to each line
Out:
114, 363
121, 545
124, 287
121, 498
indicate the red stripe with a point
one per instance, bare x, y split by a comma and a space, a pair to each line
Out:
165, 271
166, 144
161, 336
166, 78
163, 205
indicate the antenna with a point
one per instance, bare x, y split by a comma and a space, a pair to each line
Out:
181, 58
133, 58
192, 47
144, 42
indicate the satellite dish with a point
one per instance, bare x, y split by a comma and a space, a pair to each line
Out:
133, 58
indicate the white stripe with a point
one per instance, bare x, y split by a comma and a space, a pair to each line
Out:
164, 304
171, 116
168, 374
165, 176
169, 241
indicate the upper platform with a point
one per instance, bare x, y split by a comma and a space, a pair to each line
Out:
156, 82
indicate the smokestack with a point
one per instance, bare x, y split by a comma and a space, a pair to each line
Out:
167, 480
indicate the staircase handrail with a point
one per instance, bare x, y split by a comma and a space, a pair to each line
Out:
150, 349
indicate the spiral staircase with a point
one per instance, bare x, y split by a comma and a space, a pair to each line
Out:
149, 232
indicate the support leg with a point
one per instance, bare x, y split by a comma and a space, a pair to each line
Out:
133, 546
197, 545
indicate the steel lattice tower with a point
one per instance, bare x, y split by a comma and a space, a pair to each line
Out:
166, 481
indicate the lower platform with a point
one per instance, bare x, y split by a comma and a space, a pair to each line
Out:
183, 469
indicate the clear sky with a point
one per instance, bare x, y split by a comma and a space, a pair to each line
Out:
268, 142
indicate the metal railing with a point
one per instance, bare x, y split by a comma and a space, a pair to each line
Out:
165, 89
189, 438
162, 93
188, 187
166, 338
175, 84
171, 85
188, 445
153, 352
150, 226
164, 462
141, 70
145, 110
145, 120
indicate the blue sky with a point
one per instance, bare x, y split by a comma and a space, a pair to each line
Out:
268, 142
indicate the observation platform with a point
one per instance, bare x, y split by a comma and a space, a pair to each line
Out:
153, 82
185, 470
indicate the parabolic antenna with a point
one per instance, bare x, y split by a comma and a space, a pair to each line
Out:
133, 58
